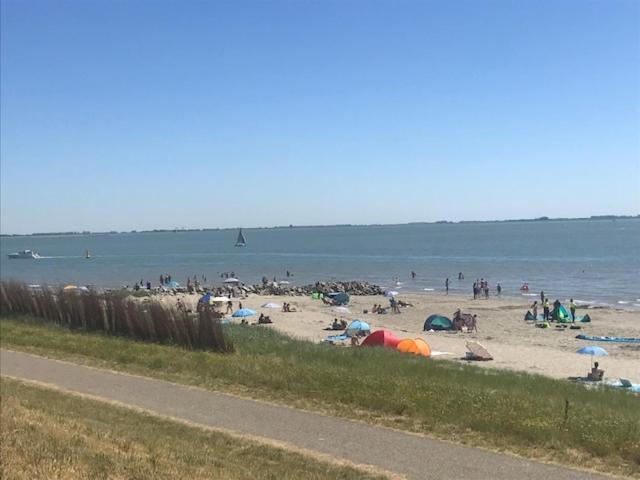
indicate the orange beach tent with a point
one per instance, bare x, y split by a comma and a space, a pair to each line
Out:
416, 346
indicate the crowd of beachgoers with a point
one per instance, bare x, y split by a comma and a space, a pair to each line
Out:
498, 322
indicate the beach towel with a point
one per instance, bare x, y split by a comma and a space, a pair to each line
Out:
336, 338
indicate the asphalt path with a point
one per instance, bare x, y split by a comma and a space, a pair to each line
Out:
410, 455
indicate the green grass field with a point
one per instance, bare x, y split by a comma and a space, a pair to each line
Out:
515, 412
48, 434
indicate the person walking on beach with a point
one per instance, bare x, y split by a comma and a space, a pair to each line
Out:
534, 309
542, 295
446, 286
545, 308
229, 306
475, 290
572, 309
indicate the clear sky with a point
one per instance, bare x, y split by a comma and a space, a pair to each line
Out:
159, 114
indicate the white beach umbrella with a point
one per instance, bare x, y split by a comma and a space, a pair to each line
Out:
231, 280
219, 299
391, 293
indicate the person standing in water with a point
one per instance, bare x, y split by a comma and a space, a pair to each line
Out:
413, 275
446, 286
499, 289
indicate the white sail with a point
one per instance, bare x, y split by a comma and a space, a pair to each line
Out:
241, 242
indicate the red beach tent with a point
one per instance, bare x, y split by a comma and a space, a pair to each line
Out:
381, 338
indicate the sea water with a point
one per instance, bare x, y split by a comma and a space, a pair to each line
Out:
596, 261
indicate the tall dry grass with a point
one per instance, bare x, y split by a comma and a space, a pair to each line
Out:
116, 315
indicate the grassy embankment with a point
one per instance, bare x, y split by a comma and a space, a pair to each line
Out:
48, 434
520, 413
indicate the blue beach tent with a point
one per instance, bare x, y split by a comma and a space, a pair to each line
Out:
339, 298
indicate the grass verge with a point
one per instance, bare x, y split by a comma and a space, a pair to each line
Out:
48, 434
506, 411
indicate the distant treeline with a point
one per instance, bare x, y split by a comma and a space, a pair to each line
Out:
180, 230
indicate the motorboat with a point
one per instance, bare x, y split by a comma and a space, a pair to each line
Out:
24, 254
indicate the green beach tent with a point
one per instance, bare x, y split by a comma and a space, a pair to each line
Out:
438, 322
561, 315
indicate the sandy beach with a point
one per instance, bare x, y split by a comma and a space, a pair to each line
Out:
514, 343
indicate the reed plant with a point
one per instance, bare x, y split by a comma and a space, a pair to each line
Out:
116, 315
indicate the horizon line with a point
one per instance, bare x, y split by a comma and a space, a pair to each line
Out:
203, 229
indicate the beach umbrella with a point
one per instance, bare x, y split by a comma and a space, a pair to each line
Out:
220, 299
271, 305
593, 350
70, 287
243, 312
172, 284
284, 282
206, 298
231, 280
357, 327
390, 293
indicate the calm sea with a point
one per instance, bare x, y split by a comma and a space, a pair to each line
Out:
595, 261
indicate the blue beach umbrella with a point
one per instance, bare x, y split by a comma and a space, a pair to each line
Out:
206, 298
243, 312
593, 351
358, 327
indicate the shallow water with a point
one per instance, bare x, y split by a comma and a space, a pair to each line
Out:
592, 261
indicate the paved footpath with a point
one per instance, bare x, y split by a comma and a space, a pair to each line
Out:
413, 456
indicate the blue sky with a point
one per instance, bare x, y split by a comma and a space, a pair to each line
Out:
161, 114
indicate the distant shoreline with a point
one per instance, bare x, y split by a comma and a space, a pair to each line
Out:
215, 229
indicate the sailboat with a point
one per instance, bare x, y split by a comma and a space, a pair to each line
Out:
241, 242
